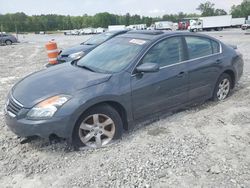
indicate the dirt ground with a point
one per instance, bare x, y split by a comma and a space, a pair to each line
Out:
203, 146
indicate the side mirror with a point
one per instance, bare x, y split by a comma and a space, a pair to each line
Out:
148, 67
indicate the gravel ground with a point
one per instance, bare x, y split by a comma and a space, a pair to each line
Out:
203, 146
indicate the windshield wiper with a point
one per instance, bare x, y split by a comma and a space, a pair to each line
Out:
88, 44
88, 68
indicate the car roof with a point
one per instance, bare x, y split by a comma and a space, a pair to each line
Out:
144, 34
152, 35
117, 32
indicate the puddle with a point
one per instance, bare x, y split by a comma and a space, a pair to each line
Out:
157, 131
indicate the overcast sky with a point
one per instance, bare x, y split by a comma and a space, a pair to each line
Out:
91, 7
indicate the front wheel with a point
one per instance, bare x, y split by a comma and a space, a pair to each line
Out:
97, 127
8, 42
222, 88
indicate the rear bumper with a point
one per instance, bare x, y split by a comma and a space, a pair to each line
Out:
42, 128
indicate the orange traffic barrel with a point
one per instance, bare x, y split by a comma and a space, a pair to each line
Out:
52, 52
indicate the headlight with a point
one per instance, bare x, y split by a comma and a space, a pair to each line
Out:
47, 108
77, 55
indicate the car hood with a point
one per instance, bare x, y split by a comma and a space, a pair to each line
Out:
77, 48
60, 79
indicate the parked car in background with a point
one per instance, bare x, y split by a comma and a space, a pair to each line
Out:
164, 25
245, 26
78, 51
127, 79
72, 32
7, 39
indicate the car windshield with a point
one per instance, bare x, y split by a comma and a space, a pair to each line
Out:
98, 39
113, 55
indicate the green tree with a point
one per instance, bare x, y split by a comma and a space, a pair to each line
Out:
127, 19
242, 10
206, 9
103, 20
219, 12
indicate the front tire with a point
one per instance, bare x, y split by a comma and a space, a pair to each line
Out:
97, 127
222, 88
8, 42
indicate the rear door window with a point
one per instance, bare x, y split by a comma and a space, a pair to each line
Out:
198, 47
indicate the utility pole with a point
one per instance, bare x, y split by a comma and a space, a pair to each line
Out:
16, 31
1, 41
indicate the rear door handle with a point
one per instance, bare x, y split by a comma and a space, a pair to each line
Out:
181, 74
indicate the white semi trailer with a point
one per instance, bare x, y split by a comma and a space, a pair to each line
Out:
116, 27
238, 22
164, 25
216, 23
137, 27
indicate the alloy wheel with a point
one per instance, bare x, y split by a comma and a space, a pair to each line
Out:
97, 130
224, 89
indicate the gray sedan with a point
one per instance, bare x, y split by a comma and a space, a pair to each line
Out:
125, 80
7, 39
78, 51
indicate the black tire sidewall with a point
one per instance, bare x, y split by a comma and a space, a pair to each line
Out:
100, 109
222, 77
8, 42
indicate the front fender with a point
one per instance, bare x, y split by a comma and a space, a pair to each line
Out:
83, 106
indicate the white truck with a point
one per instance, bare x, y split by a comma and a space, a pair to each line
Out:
137, 27
116, 27
164, 25
88, 31
216, 23
99, 30
238, 22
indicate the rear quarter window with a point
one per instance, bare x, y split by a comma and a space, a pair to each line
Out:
198, 47
216, 47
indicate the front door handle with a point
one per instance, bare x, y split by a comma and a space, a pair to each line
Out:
181, 74
218, 61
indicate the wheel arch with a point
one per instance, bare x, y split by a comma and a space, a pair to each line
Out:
231, 73
115, 104
8, 40
118, 107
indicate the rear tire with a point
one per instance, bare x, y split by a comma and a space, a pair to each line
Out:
222, 87
8, 42
97, 127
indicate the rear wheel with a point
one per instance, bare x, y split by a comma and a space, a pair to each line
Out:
218, 29
97, 127
222, 88
8, 42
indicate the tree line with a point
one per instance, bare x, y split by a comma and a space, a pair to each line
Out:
53, 22
23, 23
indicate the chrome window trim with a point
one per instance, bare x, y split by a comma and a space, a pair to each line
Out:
186, 61
182, 62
